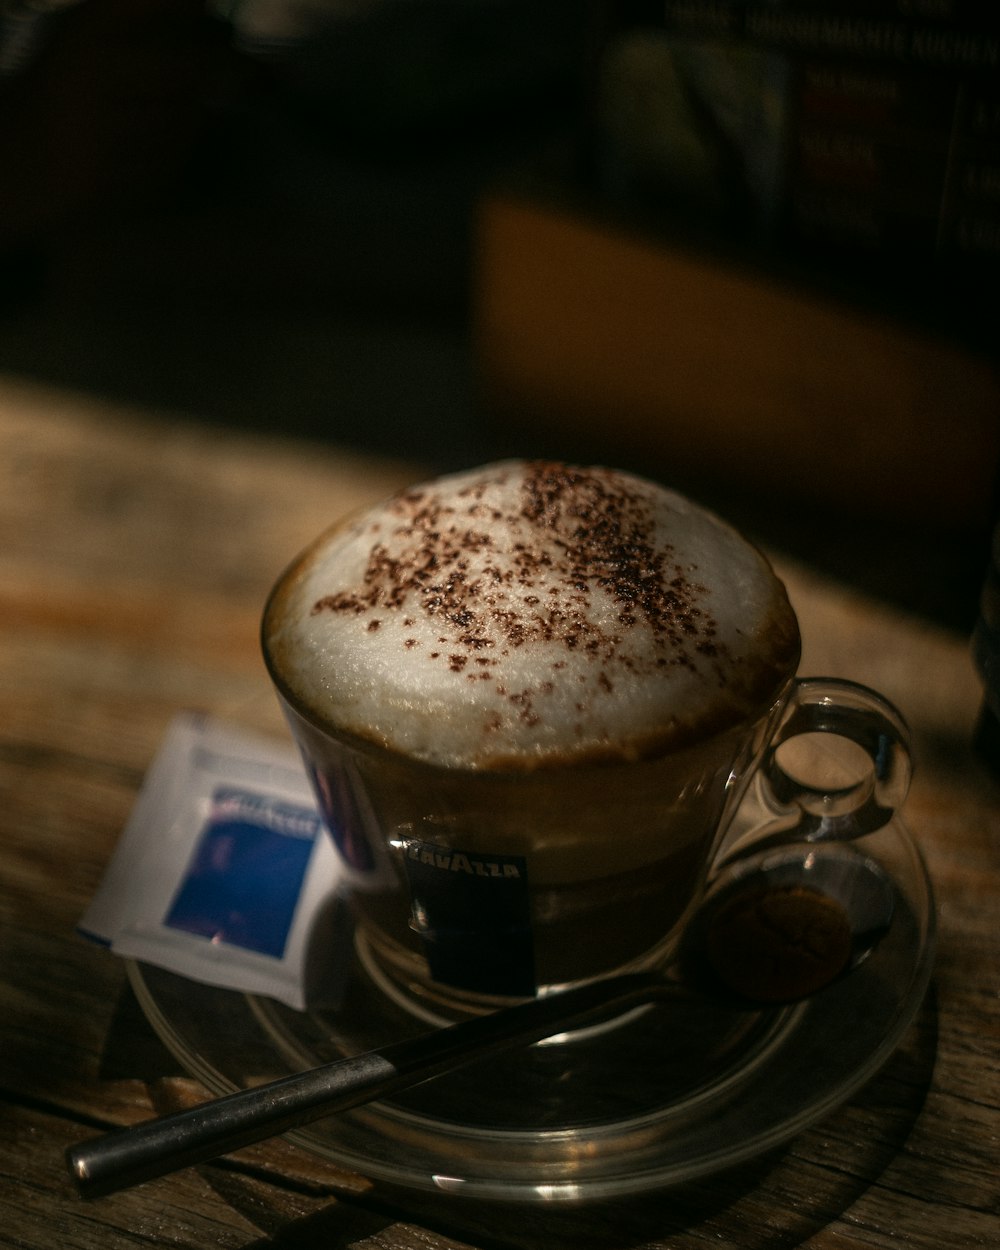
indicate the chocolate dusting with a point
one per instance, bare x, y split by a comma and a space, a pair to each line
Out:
576, 531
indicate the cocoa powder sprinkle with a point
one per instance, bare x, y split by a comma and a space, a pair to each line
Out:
579, 531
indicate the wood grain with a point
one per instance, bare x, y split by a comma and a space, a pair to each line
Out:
136, 551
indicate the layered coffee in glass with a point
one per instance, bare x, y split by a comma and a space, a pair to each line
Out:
529, 696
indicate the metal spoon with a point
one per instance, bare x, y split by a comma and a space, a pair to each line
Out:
838, 875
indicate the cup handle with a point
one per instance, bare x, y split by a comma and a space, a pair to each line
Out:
858, 802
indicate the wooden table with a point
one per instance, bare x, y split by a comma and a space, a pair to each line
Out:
134, 559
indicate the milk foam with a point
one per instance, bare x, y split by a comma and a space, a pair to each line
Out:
531, 613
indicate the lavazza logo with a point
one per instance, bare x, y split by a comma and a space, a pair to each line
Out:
446, 860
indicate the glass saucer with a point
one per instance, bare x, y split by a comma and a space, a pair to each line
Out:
673, 1093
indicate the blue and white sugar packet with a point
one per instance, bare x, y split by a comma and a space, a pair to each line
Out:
224, 872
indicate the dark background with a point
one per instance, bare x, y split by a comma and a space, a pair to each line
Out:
278, 234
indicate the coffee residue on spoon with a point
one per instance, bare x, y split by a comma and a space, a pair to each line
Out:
779, 943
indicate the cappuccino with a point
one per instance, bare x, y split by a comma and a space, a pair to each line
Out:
529, 687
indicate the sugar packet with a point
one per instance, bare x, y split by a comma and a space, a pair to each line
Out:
224, 872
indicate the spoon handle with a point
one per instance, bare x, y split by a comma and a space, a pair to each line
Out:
157, 1147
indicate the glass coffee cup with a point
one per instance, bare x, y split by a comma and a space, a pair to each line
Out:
530, 699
